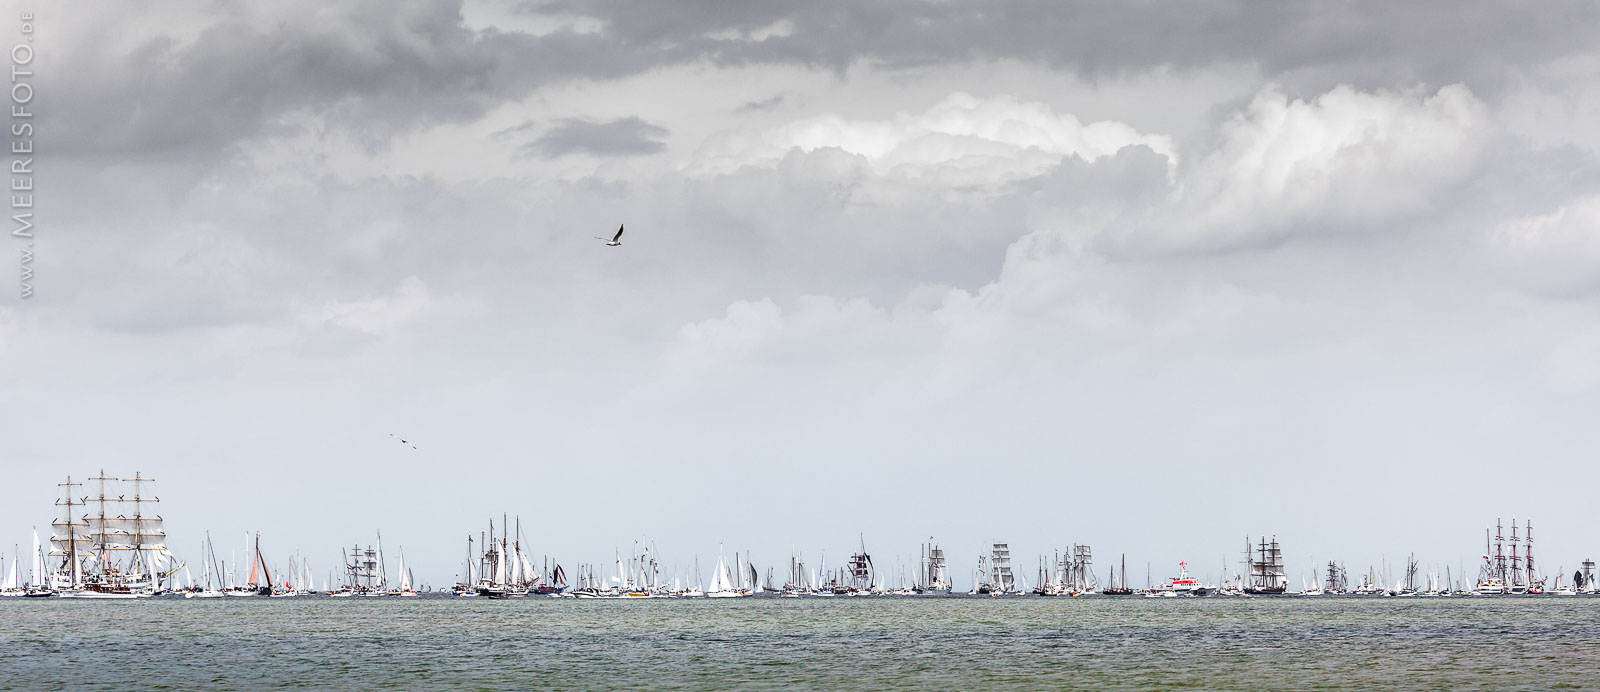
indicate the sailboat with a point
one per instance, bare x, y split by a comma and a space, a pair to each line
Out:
405, 577
552, 581
722, 582
12, 587
260, 583
699, 588
1116, 588
208, 555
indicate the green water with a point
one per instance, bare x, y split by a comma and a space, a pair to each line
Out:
840, 643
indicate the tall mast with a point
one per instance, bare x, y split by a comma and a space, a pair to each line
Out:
1527, 553
1516, 560
1499, 551
71, 551
100, 521
148, 534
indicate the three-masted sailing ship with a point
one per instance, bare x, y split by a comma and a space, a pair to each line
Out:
116, 548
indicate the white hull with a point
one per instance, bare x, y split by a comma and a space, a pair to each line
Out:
96, 595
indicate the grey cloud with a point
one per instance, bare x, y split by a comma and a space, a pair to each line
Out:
621, 137
1434, 42
380, 67
383, 65
763, 104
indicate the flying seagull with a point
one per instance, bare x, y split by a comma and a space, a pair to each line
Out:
615, 240
402, 440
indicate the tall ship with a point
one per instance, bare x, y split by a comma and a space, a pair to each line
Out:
364, 571
998, 579
493, 570
1336, 580
861, 578
1508, 566
934, 576
110, 544
1070, 574
1493, 572
1266, 575
1081, 578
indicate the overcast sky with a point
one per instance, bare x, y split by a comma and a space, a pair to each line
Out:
1147, 277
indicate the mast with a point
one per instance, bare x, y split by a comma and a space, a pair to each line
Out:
265, 571
99, 523
63, 532
1527, 553
1499, 552
1516, 560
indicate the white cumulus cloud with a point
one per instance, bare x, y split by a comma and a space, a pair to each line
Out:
962, 140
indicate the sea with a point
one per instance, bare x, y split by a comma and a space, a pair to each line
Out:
957, 642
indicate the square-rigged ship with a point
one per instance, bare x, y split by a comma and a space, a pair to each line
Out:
1266, 567
116, 547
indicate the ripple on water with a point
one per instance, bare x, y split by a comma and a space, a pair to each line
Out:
783, 643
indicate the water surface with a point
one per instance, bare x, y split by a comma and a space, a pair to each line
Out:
838, 643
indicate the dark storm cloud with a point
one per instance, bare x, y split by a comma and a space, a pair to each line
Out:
384, 67
1440, 41
620, 137
382, 64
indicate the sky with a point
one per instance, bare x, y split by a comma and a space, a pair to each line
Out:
1153, 278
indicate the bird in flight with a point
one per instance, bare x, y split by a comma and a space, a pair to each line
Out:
615, 240
402, 440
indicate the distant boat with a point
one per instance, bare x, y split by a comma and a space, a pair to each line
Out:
405, 577
208, 557
722, 582
1266, 568
1182, 585
11, 586
260, 583
1116, 588
934, 577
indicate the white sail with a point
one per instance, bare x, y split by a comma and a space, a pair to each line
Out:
719, 576
11, 578
405, 574
528, 571
383, 577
